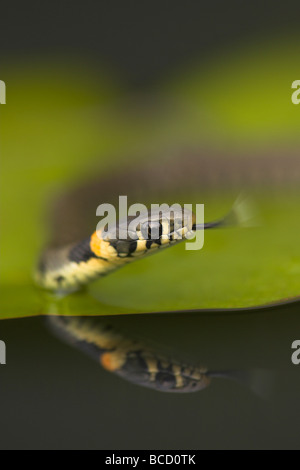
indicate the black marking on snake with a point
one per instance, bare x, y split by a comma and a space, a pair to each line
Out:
135, 363
107, 328
114, 244
132, 247
122, 247
82, 252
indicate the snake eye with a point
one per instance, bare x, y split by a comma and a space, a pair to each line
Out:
152, 230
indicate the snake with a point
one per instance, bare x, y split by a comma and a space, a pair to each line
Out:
72, 261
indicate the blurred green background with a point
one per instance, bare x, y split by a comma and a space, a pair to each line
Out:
106, 87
